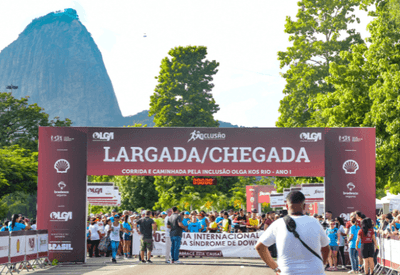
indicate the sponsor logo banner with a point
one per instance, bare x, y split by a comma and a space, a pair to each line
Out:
207, 244
62, 190
206, 152
97, 190
17, 246
350, 171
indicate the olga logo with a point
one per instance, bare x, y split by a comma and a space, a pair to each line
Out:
58, 216
351, 186
62, 166
264, 194
350, 166
310, 137
206, 136
100, 136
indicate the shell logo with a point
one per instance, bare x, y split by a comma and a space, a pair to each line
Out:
252, 199
18, 246
350, 166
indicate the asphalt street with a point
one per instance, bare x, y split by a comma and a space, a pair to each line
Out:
195, 266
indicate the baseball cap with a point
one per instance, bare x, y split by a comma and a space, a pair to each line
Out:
187, 213
164, 213
114, 210
144, 212
116, 216
254, 211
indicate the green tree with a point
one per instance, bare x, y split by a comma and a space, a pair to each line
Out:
18, 170
315, 35
182, 97
367, 92
20, 122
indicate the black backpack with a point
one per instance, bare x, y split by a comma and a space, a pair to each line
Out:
291, 227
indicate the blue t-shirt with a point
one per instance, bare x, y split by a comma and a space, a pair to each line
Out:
112, 219
332, 234
185, 223
397, 225
354, 230
17, 227
194, 227
204, 224
217, 220
3, 229
128, 227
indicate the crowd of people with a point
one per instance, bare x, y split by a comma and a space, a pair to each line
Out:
101, 226
359, 233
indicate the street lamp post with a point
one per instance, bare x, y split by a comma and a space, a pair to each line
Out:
11, 87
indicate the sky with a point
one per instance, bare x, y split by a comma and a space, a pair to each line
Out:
243, 36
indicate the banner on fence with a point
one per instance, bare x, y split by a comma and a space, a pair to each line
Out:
43, 243
207, 244
4, 247
17, 246
100, 190
389, 252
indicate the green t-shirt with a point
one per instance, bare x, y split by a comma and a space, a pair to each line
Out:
159, 222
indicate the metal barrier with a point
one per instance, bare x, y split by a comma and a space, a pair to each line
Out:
23, 248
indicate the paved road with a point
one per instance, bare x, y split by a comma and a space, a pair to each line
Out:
194, 266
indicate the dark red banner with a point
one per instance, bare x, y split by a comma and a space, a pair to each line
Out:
206, 151
61, 195
350, 171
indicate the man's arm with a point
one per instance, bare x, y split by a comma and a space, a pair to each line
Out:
266, 256
154, 228
325, 253
182, 226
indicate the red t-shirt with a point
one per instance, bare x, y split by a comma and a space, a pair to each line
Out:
268, 222
368, 238
348, 224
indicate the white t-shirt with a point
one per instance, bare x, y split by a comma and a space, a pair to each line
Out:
94, 235
33, 226
293, 257
167, 230
100, 224
114, 234
341, 230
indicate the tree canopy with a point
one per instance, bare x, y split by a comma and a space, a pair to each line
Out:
316, 42
182, 97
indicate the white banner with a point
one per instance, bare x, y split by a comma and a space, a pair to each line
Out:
31, 244
389, 251
43, 240
313, 192
100, 190
17, 246
4, 246
207, 244
276, 200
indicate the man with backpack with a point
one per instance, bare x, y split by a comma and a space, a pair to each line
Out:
300, 241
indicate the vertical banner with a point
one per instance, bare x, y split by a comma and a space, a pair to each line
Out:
62, 191
258, 194
277, 200
350, 171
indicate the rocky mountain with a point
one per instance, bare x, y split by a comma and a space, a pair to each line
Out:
56, 62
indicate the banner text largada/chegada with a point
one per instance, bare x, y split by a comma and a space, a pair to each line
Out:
215, 154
